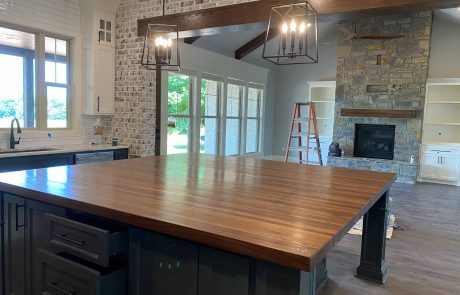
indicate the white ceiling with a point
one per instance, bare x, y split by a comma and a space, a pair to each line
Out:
452, 14
228, 43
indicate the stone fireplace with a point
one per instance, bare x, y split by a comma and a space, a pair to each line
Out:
378, 75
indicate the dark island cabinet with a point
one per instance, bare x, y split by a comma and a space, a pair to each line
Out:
222, 273
162, 265
14, 264
24, 232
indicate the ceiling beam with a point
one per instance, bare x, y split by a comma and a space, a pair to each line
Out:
254, 15
254, 44
191, 40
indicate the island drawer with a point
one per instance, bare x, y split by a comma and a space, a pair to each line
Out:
91, 240
58, 275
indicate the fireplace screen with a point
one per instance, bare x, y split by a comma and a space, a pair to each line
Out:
374, 141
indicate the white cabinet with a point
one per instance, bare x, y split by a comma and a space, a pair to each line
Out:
448, 167
440, 163
98, 30
104, 82
429, 165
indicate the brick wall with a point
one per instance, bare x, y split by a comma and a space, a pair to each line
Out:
134, 119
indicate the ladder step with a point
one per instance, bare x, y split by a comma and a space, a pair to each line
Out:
303, 134
301, 148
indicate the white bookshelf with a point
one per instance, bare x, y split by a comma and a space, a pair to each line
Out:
440, 152
441, 123
322, 94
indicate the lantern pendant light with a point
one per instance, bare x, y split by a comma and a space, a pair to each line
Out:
160, 50
297, 29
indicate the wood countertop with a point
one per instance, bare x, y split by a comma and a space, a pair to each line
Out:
286, 213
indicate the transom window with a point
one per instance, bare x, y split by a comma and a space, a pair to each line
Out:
34, 80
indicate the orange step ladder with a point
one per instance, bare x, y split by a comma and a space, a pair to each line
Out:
304, 136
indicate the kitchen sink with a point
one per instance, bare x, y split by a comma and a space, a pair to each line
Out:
16, 151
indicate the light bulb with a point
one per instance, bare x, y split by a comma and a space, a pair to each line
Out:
308, 25
293, 26
302, 27
169, 42
160, 41
284, 28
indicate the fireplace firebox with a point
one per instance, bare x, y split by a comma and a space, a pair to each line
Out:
374, 141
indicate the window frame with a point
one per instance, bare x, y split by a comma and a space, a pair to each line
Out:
217, 117
41, 99
196, 116
258, 117
191, 103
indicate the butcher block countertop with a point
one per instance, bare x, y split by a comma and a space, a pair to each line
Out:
285, 213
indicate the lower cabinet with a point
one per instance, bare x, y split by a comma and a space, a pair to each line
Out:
440, 164
36, 235
36, 162
14, 245
58, 274
162, 265
35, 263
222, 273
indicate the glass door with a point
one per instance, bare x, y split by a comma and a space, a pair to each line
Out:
179, 114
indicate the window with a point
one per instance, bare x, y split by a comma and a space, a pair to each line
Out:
214, 117
57, 82
21, 84
233, 121
253, 120
209, 125
179, 116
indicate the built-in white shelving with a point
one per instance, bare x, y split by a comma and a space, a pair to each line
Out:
440, 153
322, 94
442, 111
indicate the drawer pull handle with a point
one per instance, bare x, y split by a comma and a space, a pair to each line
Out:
65, 238
55, 286
18, 226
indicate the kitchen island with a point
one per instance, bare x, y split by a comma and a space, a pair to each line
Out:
188, 224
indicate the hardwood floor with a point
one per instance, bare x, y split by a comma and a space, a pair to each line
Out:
423, 259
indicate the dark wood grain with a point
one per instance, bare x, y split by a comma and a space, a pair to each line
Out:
254, 15
254, 44
374, 113
284, 213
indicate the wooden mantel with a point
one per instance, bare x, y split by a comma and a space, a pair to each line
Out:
374, 113
254, 15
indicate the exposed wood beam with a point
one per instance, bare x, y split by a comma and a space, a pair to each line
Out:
191, 40
254, 15
253, 44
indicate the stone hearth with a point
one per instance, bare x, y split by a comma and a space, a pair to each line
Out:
385, 75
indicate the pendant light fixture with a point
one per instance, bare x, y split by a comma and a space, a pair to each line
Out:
161, 47
297, 30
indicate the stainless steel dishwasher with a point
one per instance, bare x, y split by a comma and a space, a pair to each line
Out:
95, 157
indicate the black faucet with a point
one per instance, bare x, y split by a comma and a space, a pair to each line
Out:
13, 142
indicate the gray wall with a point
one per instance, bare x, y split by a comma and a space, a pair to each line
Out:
291, 87
445, 49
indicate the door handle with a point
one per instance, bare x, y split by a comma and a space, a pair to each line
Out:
98, 103
63, 291
17, 216
70, 240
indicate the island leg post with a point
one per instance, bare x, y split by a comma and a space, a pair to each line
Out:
373, 266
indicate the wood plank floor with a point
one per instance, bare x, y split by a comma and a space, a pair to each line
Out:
423, 259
